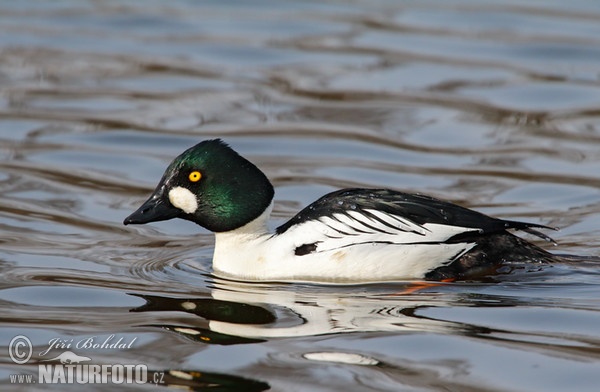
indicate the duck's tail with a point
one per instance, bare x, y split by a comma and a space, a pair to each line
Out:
531, 229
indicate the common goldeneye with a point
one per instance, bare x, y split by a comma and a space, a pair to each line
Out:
350, 235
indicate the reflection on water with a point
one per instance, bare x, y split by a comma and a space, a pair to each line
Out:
239, 311
491, 105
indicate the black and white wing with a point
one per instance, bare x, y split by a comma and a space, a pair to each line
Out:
359, 216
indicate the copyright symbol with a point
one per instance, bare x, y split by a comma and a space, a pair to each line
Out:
20, 349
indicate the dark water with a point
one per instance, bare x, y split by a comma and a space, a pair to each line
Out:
494, 105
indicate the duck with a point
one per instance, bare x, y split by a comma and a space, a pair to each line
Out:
353, 235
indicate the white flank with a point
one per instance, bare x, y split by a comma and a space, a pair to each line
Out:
183, 199
348, 248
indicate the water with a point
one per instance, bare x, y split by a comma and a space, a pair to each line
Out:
493, 105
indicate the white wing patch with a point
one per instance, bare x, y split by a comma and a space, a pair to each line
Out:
342, 230
398, 222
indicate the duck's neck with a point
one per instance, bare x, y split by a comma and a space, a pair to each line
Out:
237, 251
251, 230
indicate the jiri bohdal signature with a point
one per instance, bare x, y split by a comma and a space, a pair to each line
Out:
92, 342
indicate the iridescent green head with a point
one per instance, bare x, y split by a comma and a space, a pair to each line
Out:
209, 184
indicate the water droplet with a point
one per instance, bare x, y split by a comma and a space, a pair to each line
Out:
353, 206
340, 202
444, 214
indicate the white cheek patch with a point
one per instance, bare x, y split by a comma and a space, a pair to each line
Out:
183, 199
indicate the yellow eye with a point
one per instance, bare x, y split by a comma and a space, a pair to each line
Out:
195, 176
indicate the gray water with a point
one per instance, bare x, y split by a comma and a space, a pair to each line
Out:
494, 105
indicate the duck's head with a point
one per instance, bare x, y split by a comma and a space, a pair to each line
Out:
209, 184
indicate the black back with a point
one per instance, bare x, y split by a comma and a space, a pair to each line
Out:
417, 208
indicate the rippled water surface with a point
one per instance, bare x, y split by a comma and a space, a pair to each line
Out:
491, 104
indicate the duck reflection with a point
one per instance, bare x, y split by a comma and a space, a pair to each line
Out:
243, 313
249, 313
